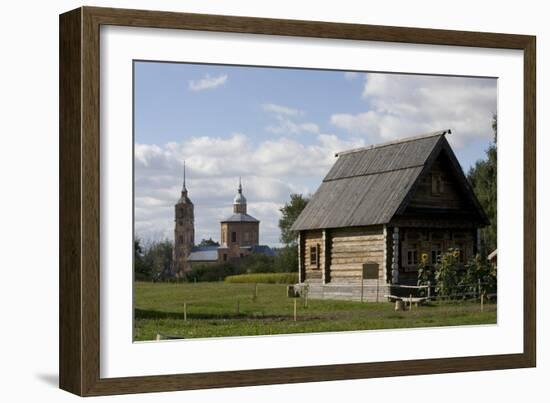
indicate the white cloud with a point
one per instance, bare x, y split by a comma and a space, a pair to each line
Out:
207, 82
281, 109
286, 121
403, 105
271, 171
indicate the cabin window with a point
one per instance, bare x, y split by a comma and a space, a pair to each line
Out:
233, 236
314, 256
412, 254
436, 252
437, 185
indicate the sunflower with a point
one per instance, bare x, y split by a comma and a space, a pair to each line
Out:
424, 257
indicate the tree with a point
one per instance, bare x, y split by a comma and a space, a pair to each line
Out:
208, 242
483, 178
159, 258
290, 212
142, 271
287, 257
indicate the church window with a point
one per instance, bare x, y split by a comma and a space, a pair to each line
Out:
233, 236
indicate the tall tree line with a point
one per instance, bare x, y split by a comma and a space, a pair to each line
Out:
483, 178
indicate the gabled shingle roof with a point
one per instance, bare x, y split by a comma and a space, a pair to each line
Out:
367, 186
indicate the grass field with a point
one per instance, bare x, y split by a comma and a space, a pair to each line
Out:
224, 309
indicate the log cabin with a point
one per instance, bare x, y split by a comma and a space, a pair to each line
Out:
378, 210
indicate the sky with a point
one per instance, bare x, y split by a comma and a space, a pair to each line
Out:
279, 129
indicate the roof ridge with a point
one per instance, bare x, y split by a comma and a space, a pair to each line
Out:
393, 142
375, 173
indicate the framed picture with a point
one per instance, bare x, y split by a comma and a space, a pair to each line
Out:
250, 201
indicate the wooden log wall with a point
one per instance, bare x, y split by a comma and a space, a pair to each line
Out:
350, 248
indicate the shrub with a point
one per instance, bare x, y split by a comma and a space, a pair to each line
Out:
211, 272
286, 260
447, 273
480, 273
426, 277
266, 278
257, 263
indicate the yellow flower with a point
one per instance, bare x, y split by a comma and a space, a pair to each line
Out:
456, 253
424, 257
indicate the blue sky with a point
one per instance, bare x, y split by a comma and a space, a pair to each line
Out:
279, 129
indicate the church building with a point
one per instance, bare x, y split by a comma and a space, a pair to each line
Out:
184, 231
239, 234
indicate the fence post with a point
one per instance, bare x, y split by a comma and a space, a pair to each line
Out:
294, 309
410, 302
429, 294
185, 311
479, 287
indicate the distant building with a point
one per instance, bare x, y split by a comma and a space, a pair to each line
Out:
379, 211
240, 234
184, 231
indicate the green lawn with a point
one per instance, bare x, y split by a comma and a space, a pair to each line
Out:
223, 309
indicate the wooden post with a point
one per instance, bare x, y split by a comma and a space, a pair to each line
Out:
410, 302
362, 282
294, 309
185, 311
479, 287
395, 256
305, 298
429, 293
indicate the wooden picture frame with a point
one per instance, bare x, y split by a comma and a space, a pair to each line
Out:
79, 346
